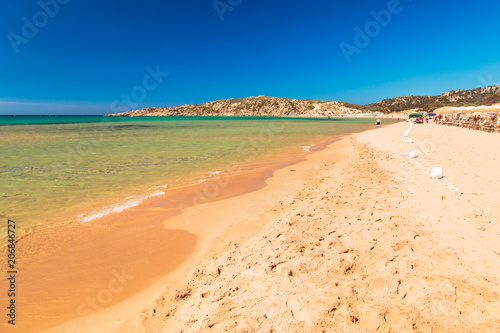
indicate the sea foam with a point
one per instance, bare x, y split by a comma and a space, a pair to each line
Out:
209, 175
308, 148
120, 207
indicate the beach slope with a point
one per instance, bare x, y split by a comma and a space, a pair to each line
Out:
371, 244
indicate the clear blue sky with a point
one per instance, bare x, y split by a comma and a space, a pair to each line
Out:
87, 56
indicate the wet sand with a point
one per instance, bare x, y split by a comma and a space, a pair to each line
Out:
79, 270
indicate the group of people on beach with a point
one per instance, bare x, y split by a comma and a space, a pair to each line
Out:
488, 123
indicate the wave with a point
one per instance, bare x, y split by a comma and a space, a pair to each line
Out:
210, 174
120, 207
308, 148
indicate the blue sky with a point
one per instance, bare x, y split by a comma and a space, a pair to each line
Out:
97, 57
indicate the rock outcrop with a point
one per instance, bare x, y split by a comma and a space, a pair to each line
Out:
264, 106
475, 97
251, 107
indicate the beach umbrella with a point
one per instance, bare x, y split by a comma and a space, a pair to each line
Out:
415, 115
432, 114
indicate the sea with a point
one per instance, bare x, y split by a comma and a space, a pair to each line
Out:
59, 166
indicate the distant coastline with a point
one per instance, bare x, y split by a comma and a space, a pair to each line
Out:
264, 106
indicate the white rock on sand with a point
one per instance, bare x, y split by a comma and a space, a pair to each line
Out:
374, 245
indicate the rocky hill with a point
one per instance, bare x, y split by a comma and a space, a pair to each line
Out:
251, 106
480, 96
279, 107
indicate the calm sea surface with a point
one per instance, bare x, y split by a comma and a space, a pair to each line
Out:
50, 165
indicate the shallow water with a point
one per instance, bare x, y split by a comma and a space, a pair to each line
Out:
52, 166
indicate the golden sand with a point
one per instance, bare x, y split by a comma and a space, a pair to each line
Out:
77, 270
368, 244
353, 239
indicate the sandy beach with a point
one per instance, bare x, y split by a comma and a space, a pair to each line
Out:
354, 239
76, 269
246, 166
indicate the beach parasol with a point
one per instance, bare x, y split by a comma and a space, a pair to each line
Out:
415, 115
432, 114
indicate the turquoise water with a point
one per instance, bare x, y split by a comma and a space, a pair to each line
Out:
30, 120
52, 165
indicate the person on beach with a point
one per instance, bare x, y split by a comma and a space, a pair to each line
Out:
377, 124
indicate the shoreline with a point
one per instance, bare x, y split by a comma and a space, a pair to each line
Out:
235, 219
53, 253
368, 243
62, 214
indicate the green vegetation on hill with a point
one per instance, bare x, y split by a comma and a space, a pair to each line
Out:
251, 106
475, 97
279, 107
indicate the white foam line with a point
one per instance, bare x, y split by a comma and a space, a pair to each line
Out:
210, 175
308, 148
120, 207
